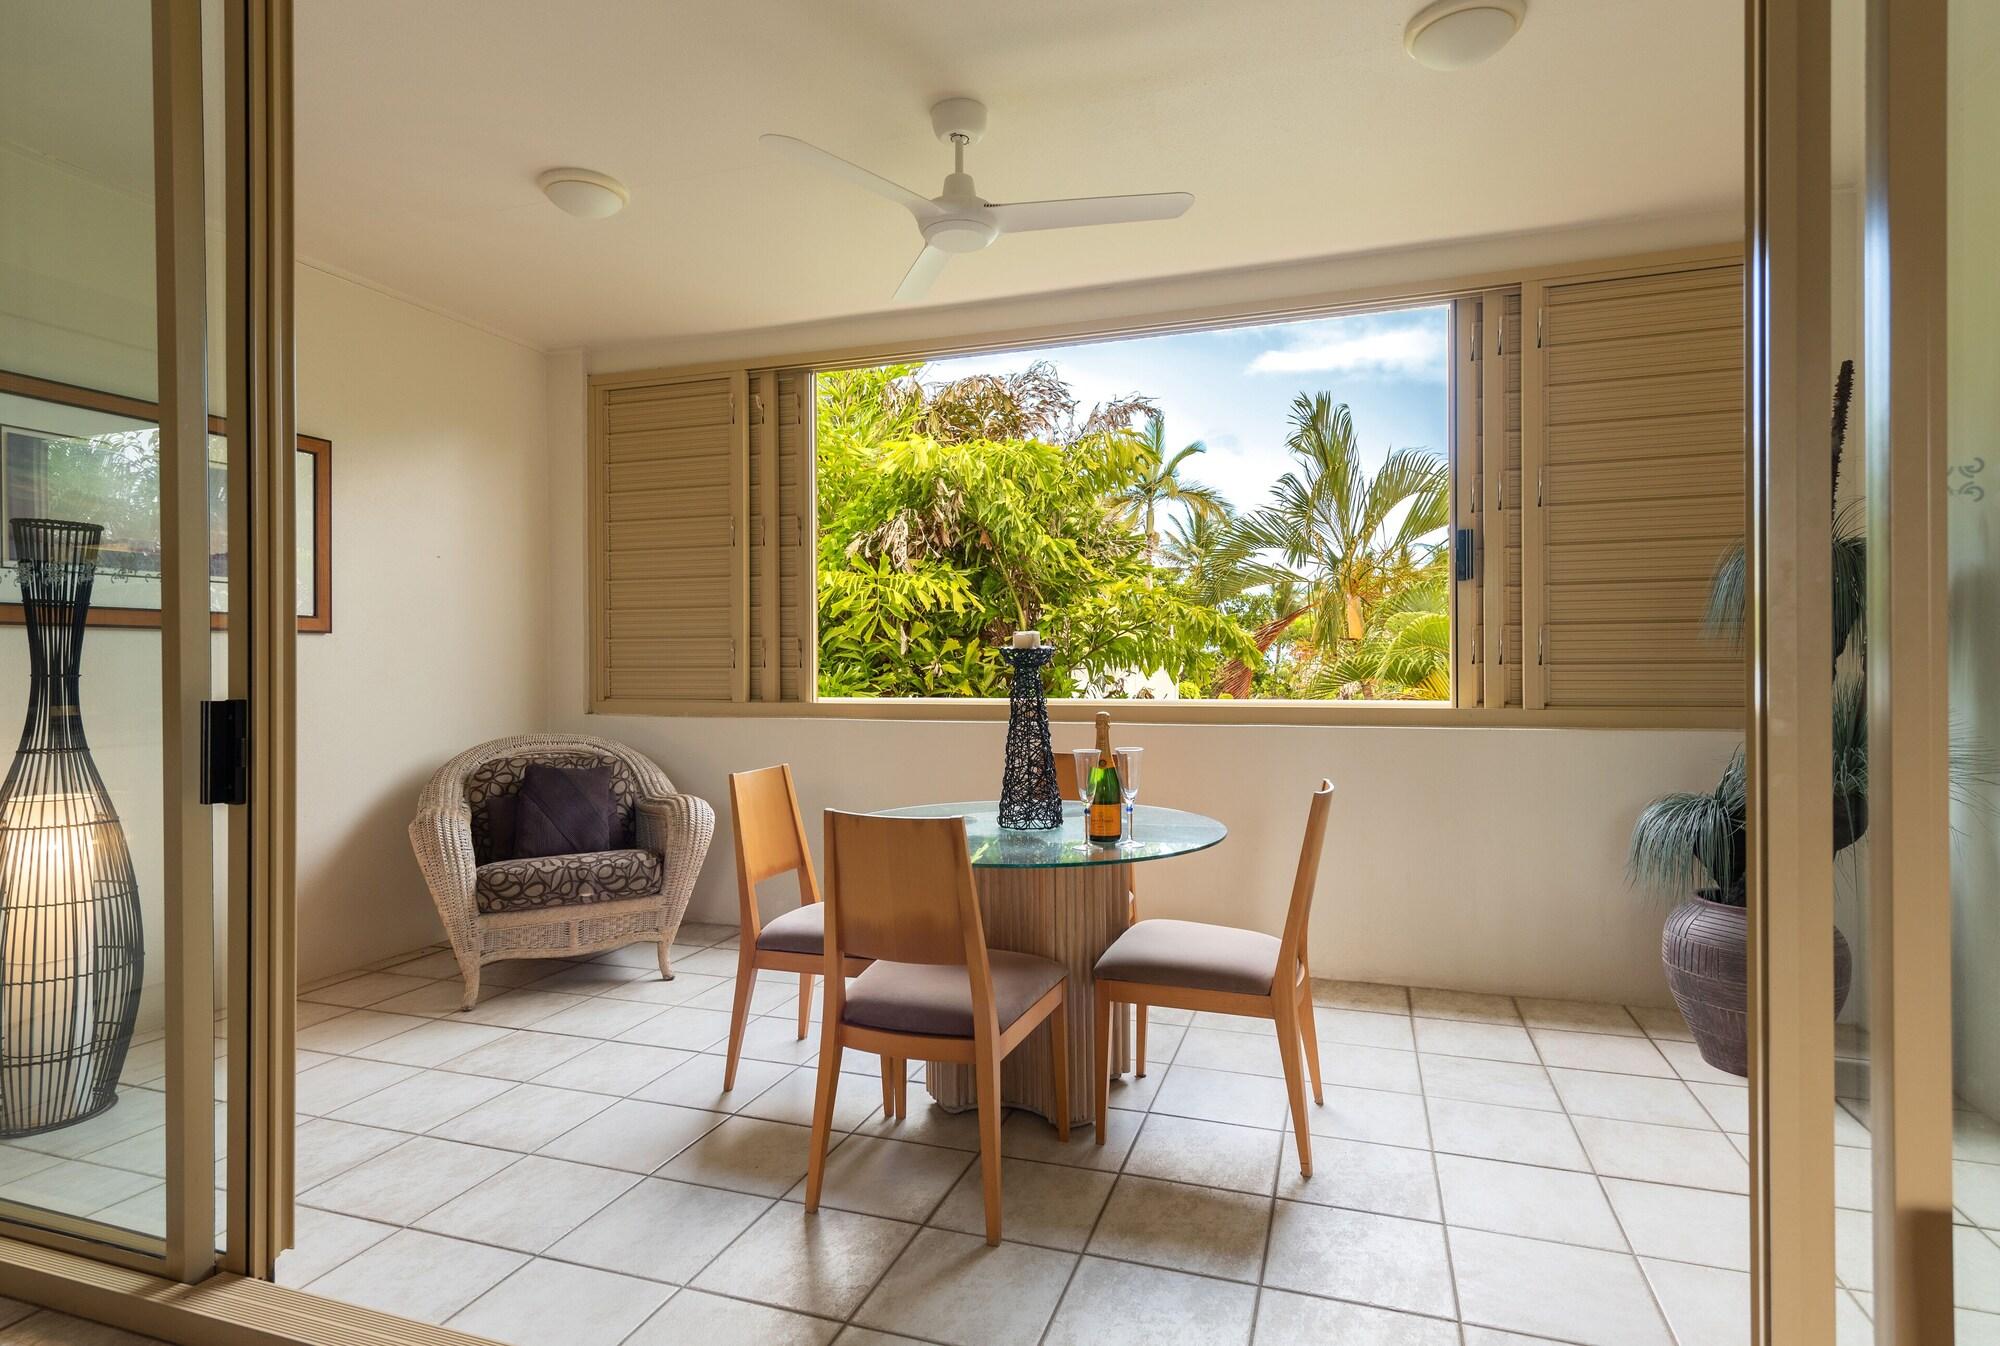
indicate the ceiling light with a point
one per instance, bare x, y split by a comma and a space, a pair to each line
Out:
1454, 34
582, 193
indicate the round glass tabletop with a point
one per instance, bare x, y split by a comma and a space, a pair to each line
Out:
1155, 834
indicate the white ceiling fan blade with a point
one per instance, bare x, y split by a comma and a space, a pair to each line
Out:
1020, 216
917, 280
792, 148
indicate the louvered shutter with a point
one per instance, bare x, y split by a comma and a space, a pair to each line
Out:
1489, 473
1639, 455
1467, 503
671, 570
780, 562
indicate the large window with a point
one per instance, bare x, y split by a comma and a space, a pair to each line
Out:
1511, 499
1238, 512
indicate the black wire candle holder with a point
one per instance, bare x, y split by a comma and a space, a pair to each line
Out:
72, 949
1029, 798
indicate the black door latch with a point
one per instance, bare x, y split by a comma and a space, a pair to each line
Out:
1461, 555
225, 752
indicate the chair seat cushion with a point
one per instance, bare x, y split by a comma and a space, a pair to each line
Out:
802, 930
1198, 956
566, 880
936, 999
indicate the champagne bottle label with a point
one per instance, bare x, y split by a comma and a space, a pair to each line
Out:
1106, 823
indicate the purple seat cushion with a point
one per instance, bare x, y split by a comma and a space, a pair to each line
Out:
1193, 954
802, 930
563, 811
936, 999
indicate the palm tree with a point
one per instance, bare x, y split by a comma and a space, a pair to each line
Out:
1157, 483
1406, 653
1351, 538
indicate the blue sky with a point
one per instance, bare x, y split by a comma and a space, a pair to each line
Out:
1232, 388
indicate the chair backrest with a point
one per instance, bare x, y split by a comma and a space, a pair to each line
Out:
1292, 944
1066, 781
770, 837
495, 769
900, 890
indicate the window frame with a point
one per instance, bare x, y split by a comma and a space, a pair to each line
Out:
1456, 712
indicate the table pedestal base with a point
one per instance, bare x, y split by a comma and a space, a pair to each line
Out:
1070, 914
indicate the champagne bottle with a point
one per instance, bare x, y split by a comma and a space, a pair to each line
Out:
1106, 823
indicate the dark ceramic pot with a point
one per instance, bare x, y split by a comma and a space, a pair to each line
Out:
1705, 948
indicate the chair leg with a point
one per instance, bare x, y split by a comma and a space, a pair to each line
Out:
805, 1003
1100, 1078
665, 950
1286, 1012
902, 1090
1309, 1030
739, 1012
822, 1127
1059, 1064
986, 1075
1139, 1063
891, 1067
468, 968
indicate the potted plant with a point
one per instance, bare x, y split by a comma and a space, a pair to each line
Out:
1693, 844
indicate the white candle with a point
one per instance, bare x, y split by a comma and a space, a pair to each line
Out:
1027, 640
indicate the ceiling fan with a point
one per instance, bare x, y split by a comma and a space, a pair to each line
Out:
959, 219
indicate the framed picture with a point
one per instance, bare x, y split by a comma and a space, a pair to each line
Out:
74, 453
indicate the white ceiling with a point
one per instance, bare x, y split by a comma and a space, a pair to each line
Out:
1300, 126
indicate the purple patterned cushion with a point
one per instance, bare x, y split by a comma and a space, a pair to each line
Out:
563, 811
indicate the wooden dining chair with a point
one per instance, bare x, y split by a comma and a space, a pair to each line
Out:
771, 840
1191, 965
900, 895
1067, 783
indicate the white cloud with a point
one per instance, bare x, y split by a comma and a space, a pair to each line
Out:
1395, 352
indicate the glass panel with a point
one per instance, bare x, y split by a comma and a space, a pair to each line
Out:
83, 1028
1973, 520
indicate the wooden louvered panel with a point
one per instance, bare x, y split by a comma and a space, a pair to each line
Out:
1514, 490
1468, 615
779, 498
1641, 471
669, 565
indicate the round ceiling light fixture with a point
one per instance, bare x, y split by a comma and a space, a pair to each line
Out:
1454, 34
583, 193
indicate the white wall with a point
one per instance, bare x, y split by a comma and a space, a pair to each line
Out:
441, 600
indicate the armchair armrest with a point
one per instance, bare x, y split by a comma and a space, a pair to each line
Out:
677, 828
442, 840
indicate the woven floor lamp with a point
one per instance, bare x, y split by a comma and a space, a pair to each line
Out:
71, 945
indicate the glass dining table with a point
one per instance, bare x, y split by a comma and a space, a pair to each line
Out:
1056, 894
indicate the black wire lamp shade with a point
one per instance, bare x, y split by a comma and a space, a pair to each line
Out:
72, 950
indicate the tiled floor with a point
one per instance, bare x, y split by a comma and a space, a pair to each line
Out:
560, 1166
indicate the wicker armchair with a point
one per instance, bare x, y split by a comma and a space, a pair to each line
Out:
557, 906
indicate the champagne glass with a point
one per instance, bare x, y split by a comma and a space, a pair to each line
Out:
1128, 781
1086, 760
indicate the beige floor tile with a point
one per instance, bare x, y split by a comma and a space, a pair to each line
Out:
716, 962
427, 1099
1385, 1179
1728, 1107
437, 997
554, 1304
1668, 1154
775, 990
408, 1182
1463, 1037
521, 1054
767, 1039
891, 1178
1219, 1096
929, 1124
1507, 1083
1686, 1060
1363, 1028
823, 1263
1703, 1304
745, 1154
322, 1148
1204, 1230
1662, 1022
431, 1044
1378, 1116
1466, 1005
952, 1288
665, 1231
74, 1187
684, 987
617, 1068
45, 1327
1370, 1259
589, 978
1369, 1068
438, 965
1974, 1137
1044, 1204
645, 954
1631, 1098
518, 1008
1210, 1154
792, 1098
1285, 1319
598, 1017
692, 1316
1242, 1053
1684, 1224
322, 1240
689, 1029
1971, 1329
525, 1118
367, 989
1026, 1135
418, 1275
1517, 1135
1118, 1304
1580, 1295
868, 1336
1976, 1269
1976, 1189
354, 1030
1600, 1051
633, 1135
1361, 995
1581, 1016
697, 1083
530, 1205
1543, 1203
699, 934
306, 1012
